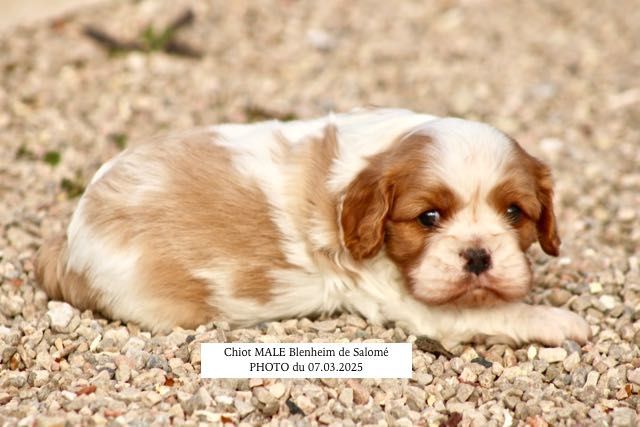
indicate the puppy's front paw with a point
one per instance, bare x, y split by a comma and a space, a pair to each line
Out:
552, 326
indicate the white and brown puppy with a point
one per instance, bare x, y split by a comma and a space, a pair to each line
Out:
387, 213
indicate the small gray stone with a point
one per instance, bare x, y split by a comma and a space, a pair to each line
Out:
16, 379
572, 347
579, 376
200, 400
588, 395
155, 361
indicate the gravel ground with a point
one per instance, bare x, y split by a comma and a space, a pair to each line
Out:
563, 77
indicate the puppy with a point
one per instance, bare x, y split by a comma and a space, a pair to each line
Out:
390, 214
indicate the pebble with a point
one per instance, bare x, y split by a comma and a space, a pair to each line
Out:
325, 326
592, 379
277, 389
633, 375
11, 306
627, 214
45, 421
416, 397
360, 393
464, 392
263, 395
357, 321
150, 398
559, 297
607, 301
624, 417
305, 404
571, 362
595, 287
457, 364
176, 338
468, 375
200, 400
572, 347
553, 354
320, 39
60, 315
155, 361
243, 407
224, 400
38, 378
346, 396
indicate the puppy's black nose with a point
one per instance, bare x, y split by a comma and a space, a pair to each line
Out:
478, 260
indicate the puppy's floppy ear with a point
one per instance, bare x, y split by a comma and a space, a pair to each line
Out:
365, 207
547, 228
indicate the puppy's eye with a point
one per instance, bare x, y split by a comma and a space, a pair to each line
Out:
514, 214
429, 218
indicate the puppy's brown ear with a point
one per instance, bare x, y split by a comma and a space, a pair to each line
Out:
547, 228
364, 209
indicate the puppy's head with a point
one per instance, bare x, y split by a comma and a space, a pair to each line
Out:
455, 204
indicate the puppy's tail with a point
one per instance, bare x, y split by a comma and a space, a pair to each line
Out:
59, 282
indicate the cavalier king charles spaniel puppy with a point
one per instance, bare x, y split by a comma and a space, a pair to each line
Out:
394, 215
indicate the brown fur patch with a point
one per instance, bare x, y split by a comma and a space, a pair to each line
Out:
61, 283
406, 237
187, 209
540, 183
519, 190
382, 204
309, 164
